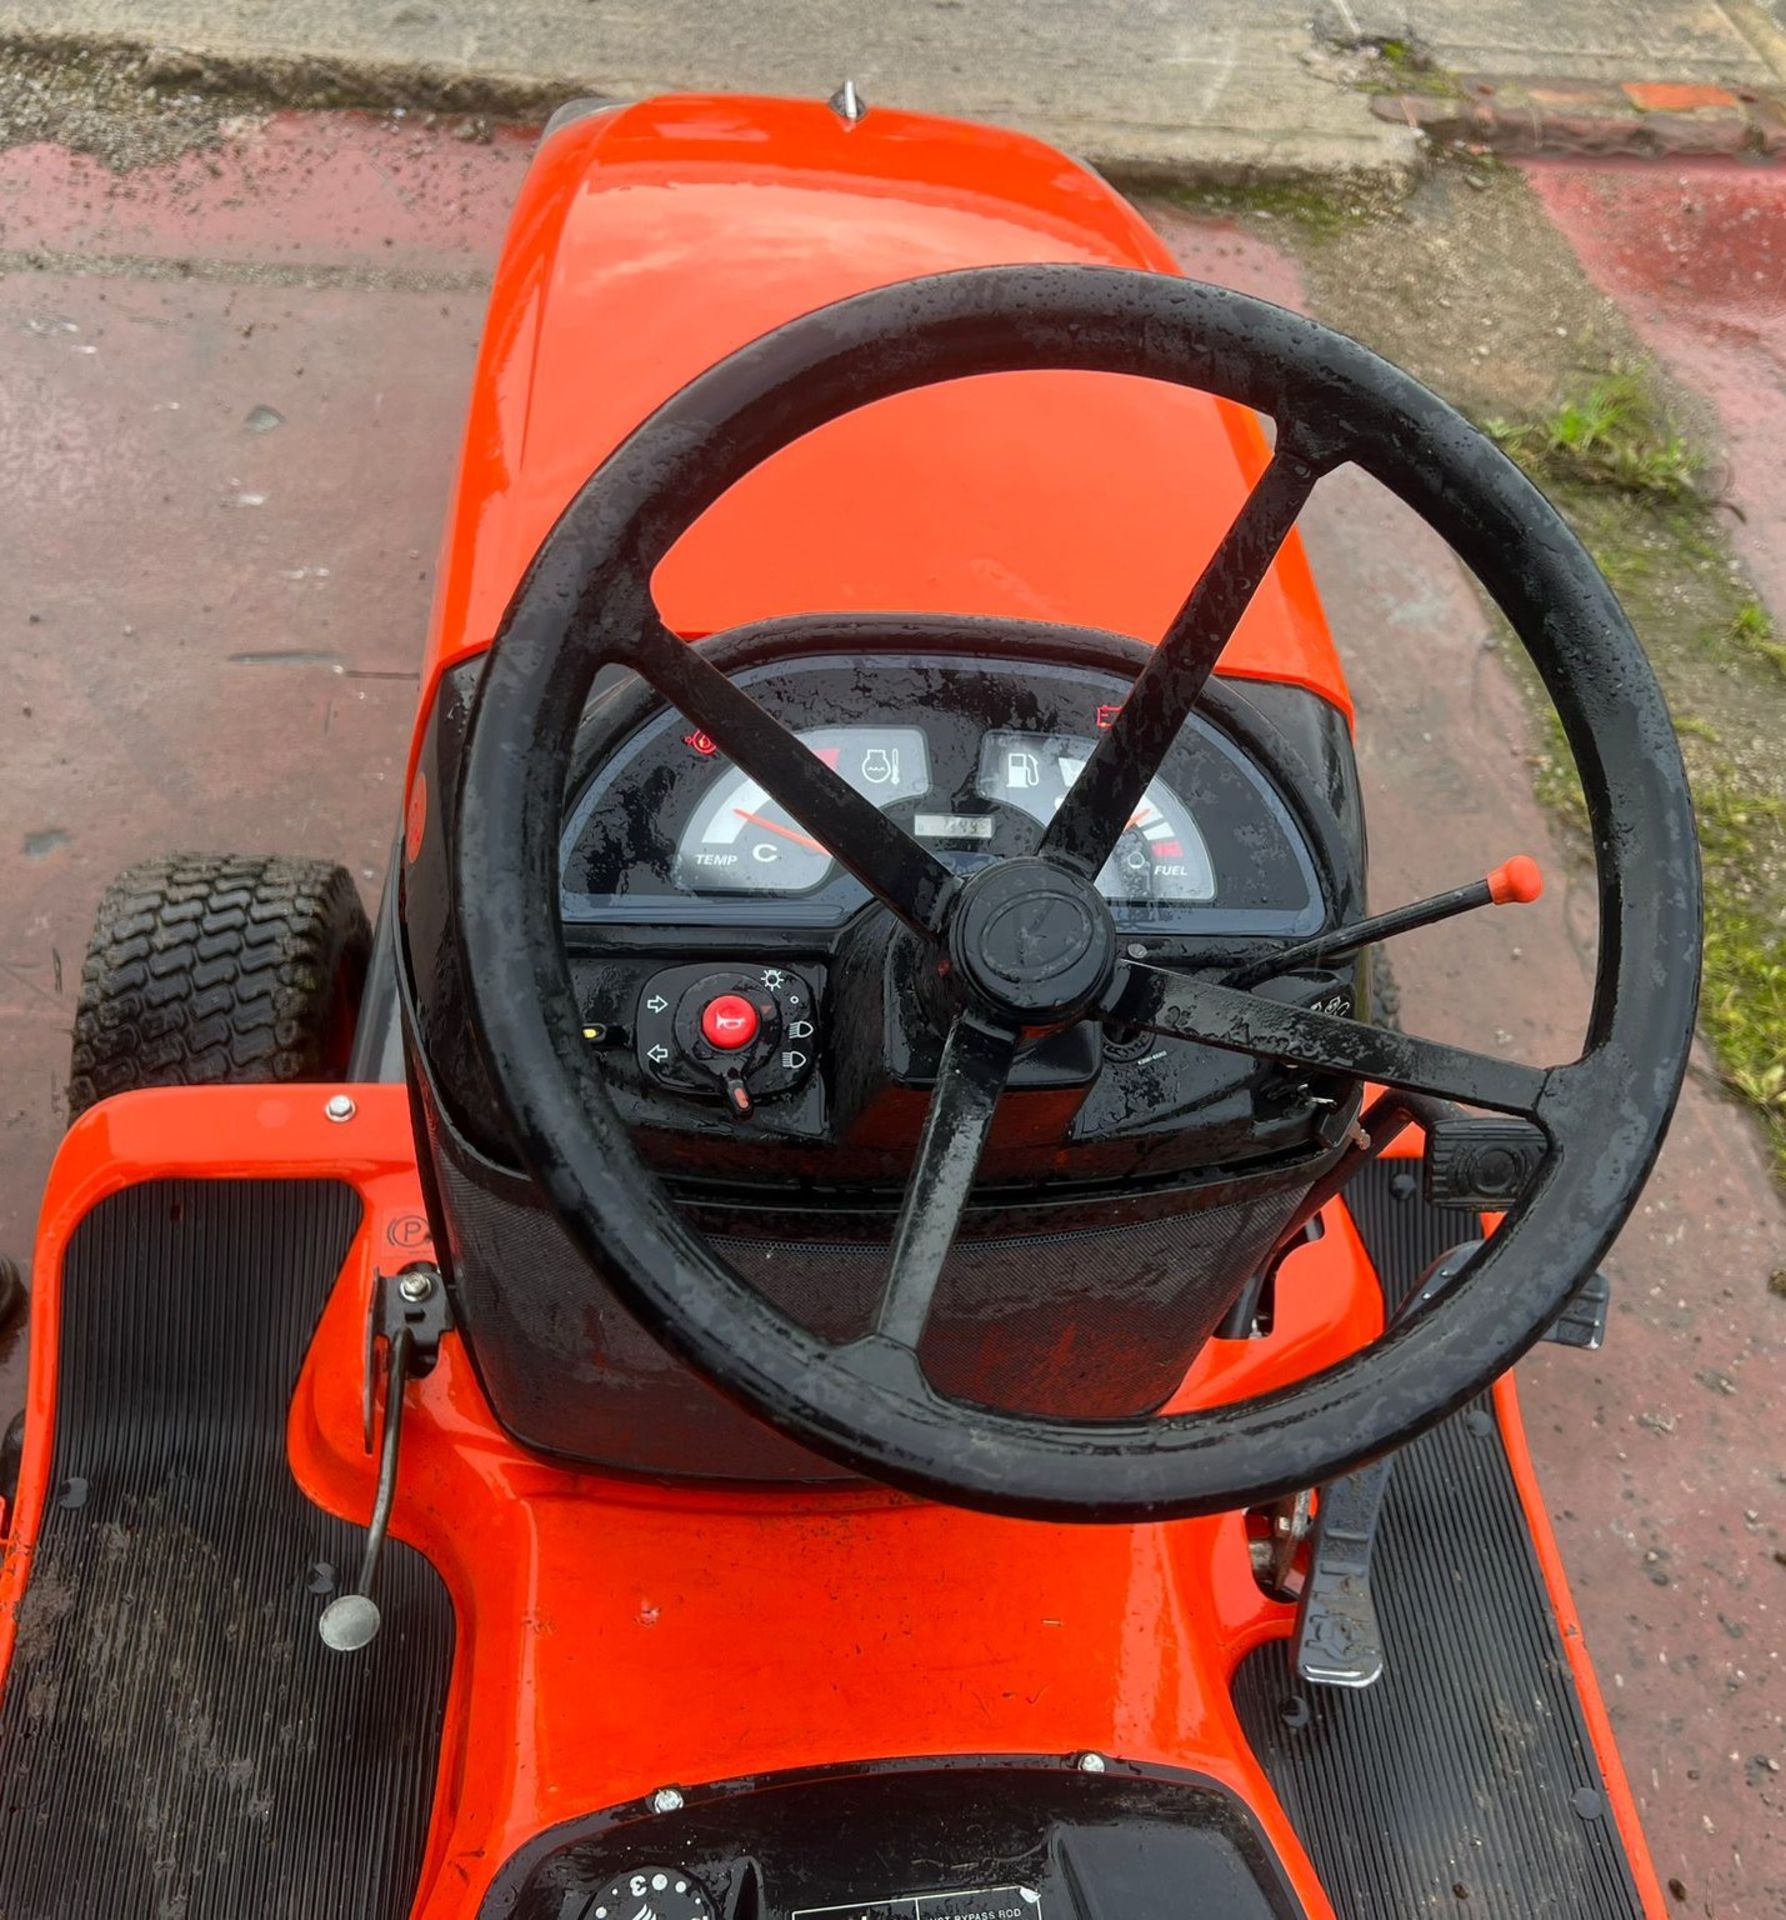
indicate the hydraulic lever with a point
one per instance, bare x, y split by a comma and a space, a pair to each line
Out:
1515, 881
409, 1312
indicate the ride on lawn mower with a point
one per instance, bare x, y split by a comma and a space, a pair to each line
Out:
851, 1307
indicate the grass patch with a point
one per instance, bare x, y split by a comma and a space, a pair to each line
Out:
1751, 631
1627, 482
1612, 433
1743, 1000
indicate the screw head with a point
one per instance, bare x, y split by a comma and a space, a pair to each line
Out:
416, 1286
340, 1107
1091, 1763
666, 1800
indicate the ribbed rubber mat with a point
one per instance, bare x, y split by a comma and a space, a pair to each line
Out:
1464, 1781
175, 1741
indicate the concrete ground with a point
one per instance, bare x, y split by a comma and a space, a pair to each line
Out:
1169, 86
230, 391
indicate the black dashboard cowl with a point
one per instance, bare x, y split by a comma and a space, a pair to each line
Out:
1131, 1185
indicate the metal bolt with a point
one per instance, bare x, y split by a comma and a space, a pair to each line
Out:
1091, 1763
1137, 950
340, 1107
416, 1286
847, 103
666, 1800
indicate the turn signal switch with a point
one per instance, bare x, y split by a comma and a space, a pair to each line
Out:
743, 1033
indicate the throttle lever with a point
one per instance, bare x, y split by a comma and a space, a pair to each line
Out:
1518, 880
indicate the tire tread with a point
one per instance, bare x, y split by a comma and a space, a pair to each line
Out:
207, 969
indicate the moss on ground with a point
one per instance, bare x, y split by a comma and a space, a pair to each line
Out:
1309, 212
1400, 64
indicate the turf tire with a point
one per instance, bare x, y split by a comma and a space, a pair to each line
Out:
210, 970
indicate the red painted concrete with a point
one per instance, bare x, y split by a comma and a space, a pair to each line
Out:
1669, 96
1696, 256
300, 189
210, 634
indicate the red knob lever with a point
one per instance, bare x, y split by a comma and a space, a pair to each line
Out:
1517, 880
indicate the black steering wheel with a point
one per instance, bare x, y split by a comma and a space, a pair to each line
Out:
1029, 943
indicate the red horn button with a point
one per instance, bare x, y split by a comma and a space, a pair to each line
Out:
729, 1021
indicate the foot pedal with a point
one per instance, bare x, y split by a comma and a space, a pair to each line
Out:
1480, 1160
1338, 1640
1582, 1322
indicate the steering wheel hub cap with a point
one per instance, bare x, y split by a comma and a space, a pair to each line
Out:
1033, 942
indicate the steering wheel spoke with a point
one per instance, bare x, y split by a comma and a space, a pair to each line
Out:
970, 1077
886, 859
1092, 816
1220, 1016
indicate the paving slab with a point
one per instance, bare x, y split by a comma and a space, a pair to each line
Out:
1577, 39
1154, 87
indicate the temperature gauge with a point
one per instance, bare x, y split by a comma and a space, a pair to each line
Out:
738, 840
1161, 856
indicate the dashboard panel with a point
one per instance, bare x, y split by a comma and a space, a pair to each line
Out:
972, 756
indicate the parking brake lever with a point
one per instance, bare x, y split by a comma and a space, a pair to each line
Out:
409, 1311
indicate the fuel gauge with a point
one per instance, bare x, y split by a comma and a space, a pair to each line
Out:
1161, 856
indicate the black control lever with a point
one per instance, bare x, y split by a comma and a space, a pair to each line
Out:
1516, 880
409, 1312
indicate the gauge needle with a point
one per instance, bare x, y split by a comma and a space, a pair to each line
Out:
787, 833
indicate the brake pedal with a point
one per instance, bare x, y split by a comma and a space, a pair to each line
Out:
1338, 1640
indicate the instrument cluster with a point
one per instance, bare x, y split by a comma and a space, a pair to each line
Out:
972, 757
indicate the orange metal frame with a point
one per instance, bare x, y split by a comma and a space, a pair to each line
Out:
650, 242
615, 1636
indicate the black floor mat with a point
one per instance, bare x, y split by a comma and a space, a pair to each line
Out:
175, 1741
1464, 1782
